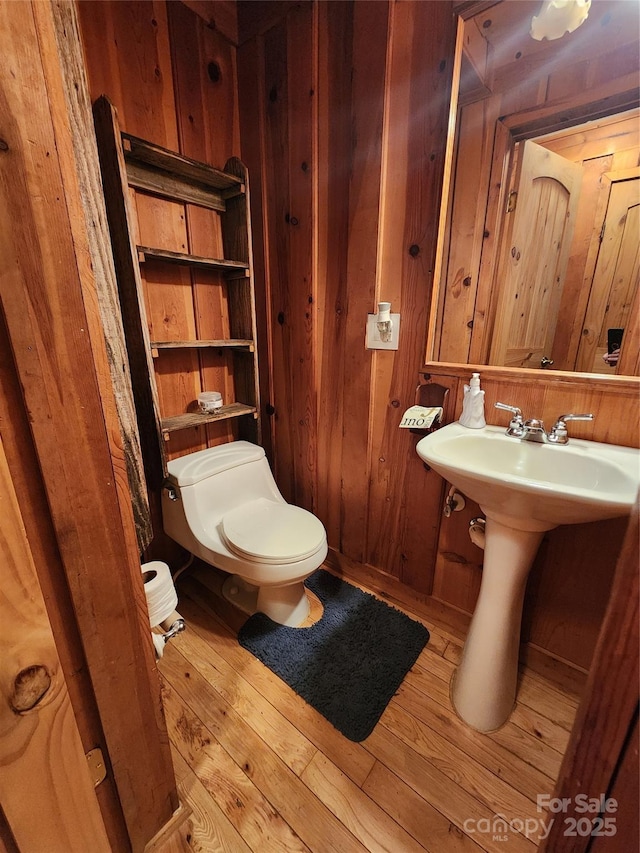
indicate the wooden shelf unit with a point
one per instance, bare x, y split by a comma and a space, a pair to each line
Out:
134, 167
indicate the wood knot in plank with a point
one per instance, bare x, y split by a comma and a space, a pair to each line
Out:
30, 687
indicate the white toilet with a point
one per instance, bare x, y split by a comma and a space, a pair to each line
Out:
222, 504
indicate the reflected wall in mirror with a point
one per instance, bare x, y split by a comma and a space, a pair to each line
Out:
540, 253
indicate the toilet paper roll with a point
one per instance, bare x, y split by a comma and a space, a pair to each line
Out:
169, 621
159, 590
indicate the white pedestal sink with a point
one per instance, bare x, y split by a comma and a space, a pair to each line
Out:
524, 489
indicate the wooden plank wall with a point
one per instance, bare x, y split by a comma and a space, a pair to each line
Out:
349, 216
342, 116
170, 71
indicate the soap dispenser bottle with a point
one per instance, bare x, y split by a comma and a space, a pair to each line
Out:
473, 404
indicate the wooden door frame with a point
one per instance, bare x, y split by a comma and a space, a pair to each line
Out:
50, 192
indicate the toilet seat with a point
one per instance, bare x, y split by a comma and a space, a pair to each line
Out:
272, 532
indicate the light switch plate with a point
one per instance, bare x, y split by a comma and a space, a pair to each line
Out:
373, 335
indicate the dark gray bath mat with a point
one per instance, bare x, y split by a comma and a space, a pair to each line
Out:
350, 663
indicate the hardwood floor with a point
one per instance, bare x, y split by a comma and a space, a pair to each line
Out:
263, 771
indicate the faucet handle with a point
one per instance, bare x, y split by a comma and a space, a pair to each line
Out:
559, 434
588, 417
516, 426
514, 409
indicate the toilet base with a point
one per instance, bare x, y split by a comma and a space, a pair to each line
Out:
287, 605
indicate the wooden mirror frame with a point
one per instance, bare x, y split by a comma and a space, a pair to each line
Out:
511, 129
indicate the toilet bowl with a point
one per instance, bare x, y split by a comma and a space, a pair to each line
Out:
222, 504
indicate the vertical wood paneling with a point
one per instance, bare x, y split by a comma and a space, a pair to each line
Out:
171, 74
343, 109
204, 69
393, 63
301, 281
418, 82
334, 23
370, 34
608, 713
289, 94
126, 48
170, 315
253, 106
276, 137
221, 15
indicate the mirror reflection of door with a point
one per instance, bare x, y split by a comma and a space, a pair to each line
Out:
576, 96
616, 278
539, 224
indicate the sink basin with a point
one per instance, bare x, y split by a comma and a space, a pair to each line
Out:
542, 485
524, 489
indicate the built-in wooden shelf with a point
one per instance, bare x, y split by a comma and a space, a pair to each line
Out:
192, 419
146, 253
233, 343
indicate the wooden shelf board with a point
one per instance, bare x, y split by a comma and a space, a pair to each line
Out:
192, 419
141, 151
146, 253
166, 185
237, 343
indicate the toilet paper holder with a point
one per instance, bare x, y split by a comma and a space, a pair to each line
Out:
176, 627
173, 626
428, 395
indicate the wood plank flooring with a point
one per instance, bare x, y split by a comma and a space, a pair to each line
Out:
262, 771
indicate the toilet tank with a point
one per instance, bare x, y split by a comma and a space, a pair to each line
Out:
213, 481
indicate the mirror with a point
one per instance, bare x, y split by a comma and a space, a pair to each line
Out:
539, 250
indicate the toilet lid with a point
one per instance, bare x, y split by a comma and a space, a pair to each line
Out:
272, 532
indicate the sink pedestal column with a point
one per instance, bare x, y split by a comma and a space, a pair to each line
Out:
484, 685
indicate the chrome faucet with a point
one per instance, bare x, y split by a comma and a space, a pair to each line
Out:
533, 429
